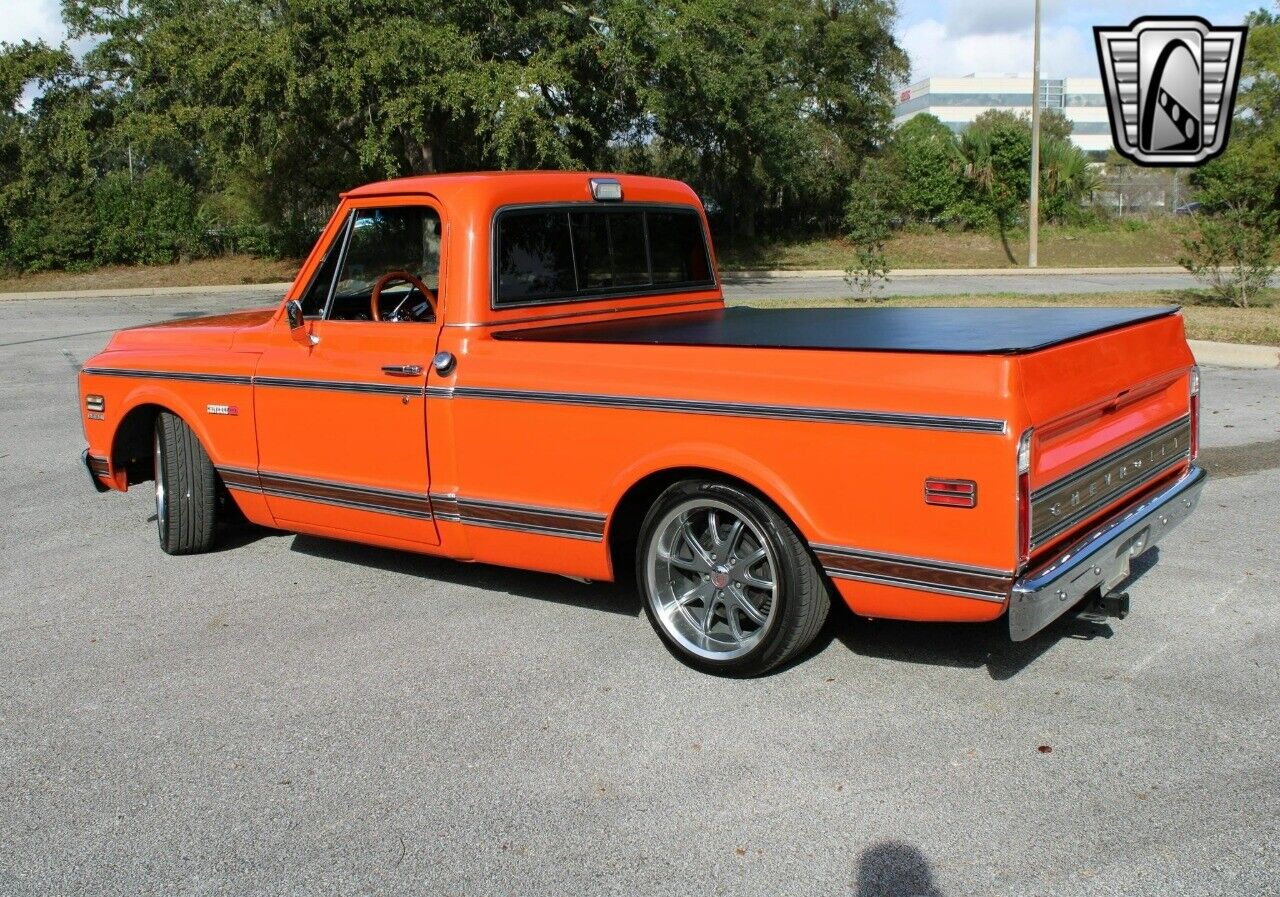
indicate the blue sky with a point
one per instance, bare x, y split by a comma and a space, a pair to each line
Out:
952, 37
944, 37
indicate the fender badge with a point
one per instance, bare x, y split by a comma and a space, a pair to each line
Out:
230, 410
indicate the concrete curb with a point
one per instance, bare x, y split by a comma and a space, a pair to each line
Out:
956, 272
147, 292
728, 276
1235, 355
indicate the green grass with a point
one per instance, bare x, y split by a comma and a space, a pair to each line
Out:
1205, 319
1130, 243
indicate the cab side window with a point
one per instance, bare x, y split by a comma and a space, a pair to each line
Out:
383, 243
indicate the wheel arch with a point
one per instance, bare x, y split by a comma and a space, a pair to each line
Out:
643, 487
131, 446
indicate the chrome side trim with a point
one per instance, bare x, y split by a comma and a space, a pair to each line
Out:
346, 495
390, 389
1101, 558
535, 519
726, 409
921, 574
596, 400
230, 379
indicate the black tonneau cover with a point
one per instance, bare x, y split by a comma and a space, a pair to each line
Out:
982, 331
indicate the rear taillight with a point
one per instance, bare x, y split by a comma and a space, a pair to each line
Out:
1024, 497
1194, 400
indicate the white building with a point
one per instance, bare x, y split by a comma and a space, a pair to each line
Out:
958, 101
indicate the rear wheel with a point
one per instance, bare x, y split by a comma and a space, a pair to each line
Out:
186, 488
727, 582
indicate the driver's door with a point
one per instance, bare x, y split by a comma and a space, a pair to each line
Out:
341, 424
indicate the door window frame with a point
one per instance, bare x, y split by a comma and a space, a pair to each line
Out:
341, 240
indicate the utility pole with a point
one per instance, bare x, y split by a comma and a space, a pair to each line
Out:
1033, 250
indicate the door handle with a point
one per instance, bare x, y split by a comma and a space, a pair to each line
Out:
402, 370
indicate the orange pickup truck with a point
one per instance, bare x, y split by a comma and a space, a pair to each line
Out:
538, 370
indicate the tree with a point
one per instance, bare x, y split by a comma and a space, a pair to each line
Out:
929, 169
770, 100
260, 111
997, 149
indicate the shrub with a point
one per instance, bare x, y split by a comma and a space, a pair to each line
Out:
870, 210
149, 219
1233, 253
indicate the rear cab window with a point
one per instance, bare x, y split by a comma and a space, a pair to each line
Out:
578, 252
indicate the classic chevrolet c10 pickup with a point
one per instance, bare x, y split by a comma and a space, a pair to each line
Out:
538, 370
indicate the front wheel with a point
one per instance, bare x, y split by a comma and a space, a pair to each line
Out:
186, 488
726, 580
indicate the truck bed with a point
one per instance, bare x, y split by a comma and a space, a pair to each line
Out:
977, 331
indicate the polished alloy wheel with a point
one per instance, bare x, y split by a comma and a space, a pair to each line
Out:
712, 580
162, 501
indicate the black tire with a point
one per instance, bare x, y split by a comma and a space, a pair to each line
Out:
186, 488
799, 602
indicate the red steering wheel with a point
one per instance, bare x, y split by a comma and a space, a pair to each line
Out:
391, 277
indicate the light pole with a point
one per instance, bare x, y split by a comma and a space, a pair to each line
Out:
1034, 212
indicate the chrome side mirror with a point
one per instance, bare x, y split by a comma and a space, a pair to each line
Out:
298, 324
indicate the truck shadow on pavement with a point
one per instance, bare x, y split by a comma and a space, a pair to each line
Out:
609, 597
959, 645
964, 645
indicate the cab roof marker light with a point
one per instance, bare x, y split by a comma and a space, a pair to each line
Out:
606, 190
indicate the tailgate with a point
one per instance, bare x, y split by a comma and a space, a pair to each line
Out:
1112, 419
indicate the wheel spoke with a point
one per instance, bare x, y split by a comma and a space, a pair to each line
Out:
735, 625
756, 582
743, 566
752, 612
731, 540
689, 565
700, 554
713, 527
689, 596
709, 619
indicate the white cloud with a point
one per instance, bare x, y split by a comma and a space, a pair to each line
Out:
32, 20
995, 16
936, 50
956, 37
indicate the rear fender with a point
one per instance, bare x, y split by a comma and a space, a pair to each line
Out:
715, 458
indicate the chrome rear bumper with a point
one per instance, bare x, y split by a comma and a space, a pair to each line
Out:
1101, 558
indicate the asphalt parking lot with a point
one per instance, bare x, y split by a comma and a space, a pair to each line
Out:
291, 715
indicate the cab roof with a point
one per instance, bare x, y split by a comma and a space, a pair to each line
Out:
494, 188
